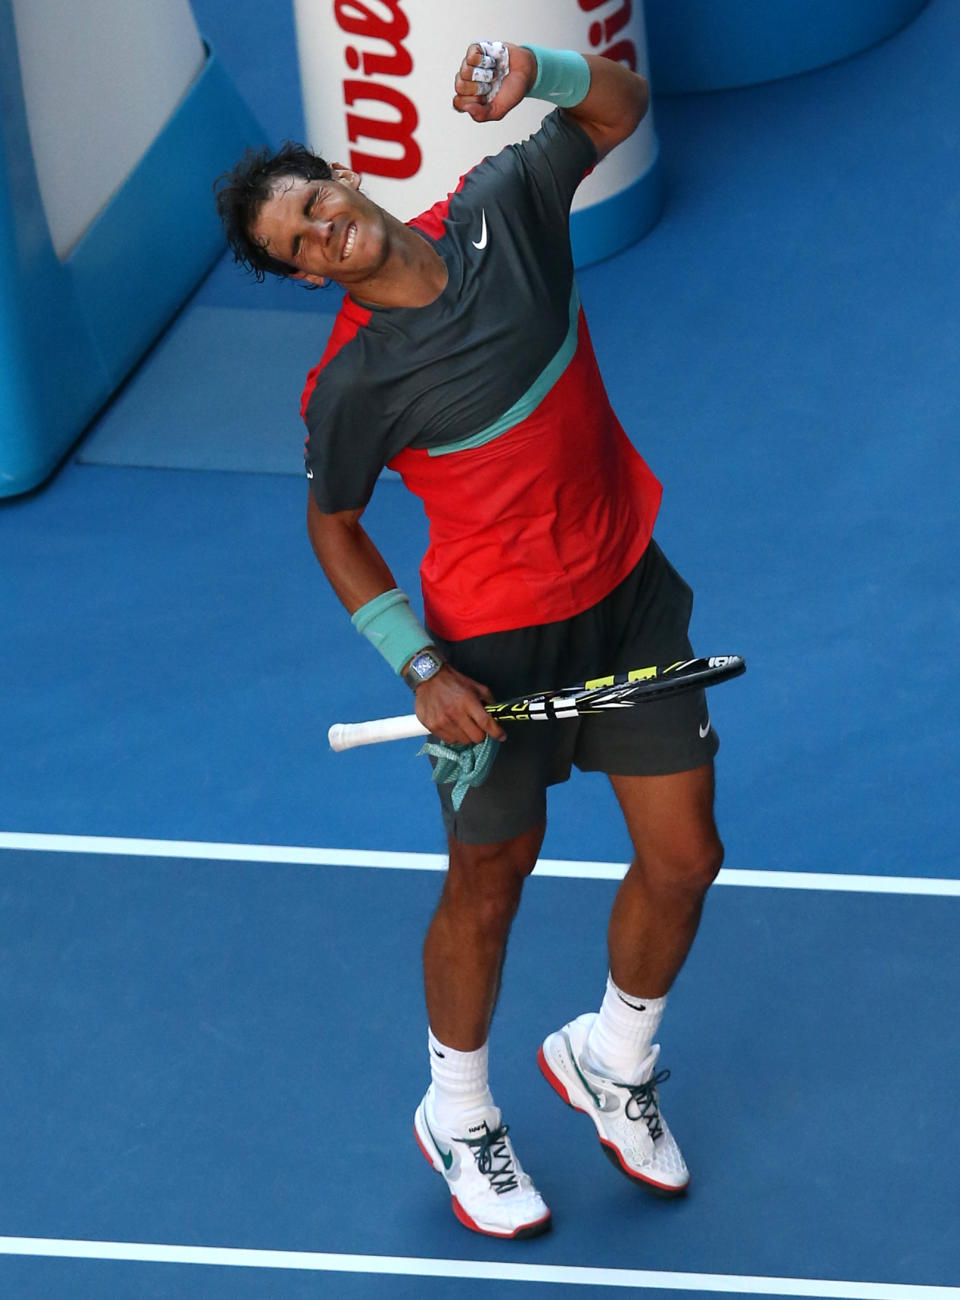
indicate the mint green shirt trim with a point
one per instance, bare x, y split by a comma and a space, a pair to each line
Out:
534, 395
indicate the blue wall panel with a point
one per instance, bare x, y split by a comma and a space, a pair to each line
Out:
71, 331
50, 372
147, 250
699, 45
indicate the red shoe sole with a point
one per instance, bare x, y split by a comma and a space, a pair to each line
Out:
609, 1150
525, 1230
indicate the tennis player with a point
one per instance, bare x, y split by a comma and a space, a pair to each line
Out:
461, 358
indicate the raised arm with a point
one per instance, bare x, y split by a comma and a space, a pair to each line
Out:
616, 103
612, 103
449, 704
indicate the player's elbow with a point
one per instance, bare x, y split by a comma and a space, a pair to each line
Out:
636, 107
632, 107
642, 105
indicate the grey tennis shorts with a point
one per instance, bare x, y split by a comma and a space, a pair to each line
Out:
643, 621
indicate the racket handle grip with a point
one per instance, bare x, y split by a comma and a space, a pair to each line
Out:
347, 735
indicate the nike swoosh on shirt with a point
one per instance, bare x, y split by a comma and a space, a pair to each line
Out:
482, 241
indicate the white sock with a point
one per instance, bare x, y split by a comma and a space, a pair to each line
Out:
622, 1034
459, 1082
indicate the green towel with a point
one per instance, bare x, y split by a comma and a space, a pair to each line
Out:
463, 765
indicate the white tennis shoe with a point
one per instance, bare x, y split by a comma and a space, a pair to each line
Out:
627, 1117
491, 1193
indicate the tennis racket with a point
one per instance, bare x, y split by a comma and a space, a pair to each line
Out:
618, 691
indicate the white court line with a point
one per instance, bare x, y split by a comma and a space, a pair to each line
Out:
292, 855
485, 1270
639, 1279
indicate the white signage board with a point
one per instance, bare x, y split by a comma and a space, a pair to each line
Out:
378, 75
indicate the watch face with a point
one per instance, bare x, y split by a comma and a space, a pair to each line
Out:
424, 665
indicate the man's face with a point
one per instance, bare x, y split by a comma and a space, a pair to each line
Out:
323, 230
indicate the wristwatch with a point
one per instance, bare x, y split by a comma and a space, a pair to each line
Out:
424, 665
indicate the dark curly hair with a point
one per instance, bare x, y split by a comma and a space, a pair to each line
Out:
241, 192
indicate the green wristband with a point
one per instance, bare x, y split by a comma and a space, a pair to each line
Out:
563, 77
391, 627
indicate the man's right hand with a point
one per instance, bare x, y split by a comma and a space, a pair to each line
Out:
471, 96
450, 705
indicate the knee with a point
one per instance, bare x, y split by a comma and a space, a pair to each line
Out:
485, 910
709, 862
502, 865
689, 867
492, 913
486, 881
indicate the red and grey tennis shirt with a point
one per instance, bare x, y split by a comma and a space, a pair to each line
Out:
490, 404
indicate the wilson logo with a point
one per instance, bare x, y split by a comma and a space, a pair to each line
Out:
379, 29
607, 27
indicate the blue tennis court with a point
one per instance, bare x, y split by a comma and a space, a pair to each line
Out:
213, 1034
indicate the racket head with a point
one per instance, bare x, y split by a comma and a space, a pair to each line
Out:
620, 690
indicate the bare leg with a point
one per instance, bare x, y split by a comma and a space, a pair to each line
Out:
677, 855
466, 942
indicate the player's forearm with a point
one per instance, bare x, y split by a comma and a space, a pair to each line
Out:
359, 575
354, 567
614, 100
615, 104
